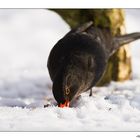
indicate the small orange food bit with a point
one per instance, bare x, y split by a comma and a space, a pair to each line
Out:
66, 104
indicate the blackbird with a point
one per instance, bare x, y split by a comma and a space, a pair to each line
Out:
78, 61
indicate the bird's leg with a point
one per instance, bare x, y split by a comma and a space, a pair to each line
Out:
90, 92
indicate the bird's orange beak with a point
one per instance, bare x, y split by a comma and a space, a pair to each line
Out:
66, 104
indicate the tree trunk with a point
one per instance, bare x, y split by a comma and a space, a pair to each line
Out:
119, 66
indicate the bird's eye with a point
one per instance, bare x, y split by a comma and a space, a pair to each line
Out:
67, 90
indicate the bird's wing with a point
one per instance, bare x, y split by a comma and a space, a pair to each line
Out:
81, 28
118, 41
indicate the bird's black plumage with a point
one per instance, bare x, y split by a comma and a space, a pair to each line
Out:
77, 61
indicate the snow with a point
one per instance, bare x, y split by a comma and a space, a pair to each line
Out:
26, 38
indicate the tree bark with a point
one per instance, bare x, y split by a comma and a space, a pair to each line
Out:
119, 66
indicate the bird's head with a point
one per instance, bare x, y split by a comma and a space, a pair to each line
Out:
65, 89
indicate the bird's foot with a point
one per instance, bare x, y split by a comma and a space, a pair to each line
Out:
90, 92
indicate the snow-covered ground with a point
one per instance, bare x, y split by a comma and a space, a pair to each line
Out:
26, 38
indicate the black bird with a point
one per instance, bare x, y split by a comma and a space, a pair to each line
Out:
78, 60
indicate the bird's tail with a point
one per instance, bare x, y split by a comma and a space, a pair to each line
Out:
125, 39
118, 41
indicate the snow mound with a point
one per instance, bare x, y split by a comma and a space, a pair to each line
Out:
115, 107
